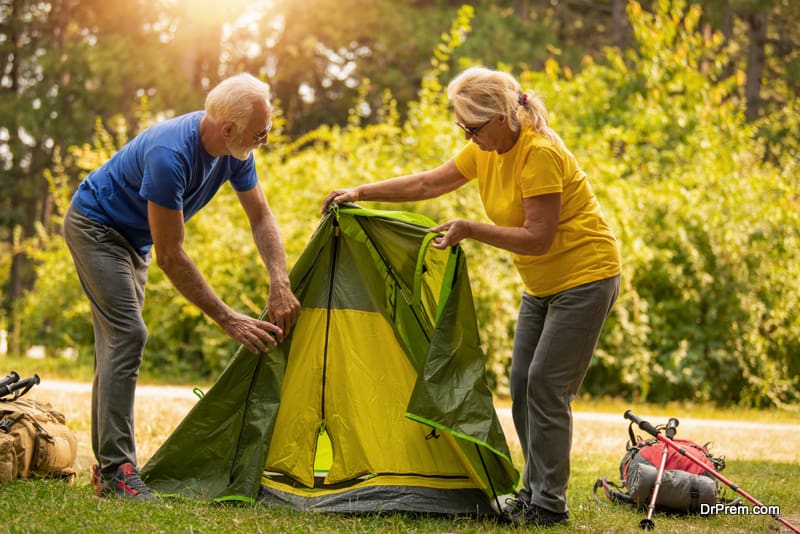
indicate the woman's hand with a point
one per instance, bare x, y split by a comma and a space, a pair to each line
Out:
454, 232
339, 196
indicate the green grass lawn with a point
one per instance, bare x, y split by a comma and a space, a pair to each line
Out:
761, 450
54, 506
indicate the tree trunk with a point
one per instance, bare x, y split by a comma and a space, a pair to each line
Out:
756, 59
619, 20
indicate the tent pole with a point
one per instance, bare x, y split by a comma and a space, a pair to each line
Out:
489, 479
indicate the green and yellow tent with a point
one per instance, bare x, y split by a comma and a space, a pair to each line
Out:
377, 400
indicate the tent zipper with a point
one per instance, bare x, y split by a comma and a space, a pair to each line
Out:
331, 283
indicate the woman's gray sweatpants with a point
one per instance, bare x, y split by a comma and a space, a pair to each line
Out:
113, 276
553, 344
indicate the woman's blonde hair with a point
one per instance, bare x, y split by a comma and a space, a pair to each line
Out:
479, 94
233, 99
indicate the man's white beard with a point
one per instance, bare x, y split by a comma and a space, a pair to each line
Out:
238, 151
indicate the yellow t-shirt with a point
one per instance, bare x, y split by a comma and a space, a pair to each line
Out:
584, 249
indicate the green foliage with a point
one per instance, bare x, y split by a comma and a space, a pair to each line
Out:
698, 214
707, 219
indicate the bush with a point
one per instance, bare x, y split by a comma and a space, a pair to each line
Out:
706, 219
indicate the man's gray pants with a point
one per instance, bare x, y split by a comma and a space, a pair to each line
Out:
553, 344
113, 276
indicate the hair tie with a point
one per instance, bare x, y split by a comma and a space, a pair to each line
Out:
523, 98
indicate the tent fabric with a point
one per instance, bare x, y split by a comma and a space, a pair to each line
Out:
376, 400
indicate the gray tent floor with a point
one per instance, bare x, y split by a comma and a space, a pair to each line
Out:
378, 499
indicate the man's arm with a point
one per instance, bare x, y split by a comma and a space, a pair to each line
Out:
166, 227
283, 306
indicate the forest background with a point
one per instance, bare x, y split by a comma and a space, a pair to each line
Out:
685, 117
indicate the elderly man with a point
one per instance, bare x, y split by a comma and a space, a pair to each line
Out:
140, 199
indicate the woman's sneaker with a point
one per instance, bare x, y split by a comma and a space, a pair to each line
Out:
541, 517
514, 510
127, 484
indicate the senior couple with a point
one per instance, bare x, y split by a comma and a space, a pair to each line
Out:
541, 205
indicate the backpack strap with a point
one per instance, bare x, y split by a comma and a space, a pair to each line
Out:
694, 497
613, 492
718, 461
6, 423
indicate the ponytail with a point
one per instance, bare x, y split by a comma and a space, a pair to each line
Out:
531, 112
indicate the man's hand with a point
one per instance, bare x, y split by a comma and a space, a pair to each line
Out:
253, 333
283, 307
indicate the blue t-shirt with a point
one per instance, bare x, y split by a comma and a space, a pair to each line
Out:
166, 164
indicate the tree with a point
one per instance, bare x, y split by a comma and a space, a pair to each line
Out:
43, 106
61, 68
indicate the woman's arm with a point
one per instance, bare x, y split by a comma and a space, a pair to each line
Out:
533, 238
417, 186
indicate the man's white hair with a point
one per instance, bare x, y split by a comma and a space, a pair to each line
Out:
233, 99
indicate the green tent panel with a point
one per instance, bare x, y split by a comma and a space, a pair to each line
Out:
377, 400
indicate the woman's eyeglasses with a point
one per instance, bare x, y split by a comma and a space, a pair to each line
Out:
472, 131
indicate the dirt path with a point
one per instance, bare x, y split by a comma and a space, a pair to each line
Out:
160, 408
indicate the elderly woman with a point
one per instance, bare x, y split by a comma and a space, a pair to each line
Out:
545, 213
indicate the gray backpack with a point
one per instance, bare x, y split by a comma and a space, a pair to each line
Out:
685, 486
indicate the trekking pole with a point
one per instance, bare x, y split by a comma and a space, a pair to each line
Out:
653, 431
9, 379
15, 387
647, 523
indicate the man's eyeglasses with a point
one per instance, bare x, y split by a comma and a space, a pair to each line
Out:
261, 136
472, 131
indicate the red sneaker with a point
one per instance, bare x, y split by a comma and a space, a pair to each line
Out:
127, 484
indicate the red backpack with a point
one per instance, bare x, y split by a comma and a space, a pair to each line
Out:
685, 486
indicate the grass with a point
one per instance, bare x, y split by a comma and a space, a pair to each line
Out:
761, 450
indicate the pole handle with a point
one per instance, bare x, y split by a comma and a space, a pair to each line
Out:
9, 379
672, 427
644, 425
24, 385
